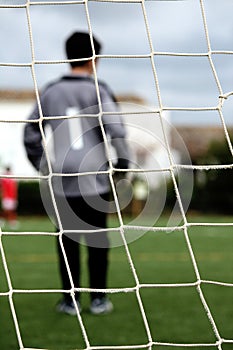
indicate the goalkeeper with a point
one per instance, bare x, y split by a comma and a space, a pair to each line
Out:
81, 199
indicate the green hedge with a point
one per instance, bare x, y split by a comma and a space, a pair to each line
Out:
216, 188
29, 198
213, 188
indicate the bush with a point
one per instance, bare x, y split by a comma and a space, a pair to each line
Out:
29, 198
215, 190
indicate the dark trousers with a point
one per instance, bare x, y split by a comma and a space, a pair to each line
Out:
77, 214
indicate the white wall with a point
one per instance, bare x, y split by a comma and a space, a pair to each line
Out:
11, 136
149, 137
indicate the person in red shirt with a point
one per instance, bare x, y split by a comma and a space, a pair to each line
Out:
9, 198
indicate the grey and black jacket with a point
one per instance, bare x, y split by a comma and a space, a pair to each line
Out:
76, 144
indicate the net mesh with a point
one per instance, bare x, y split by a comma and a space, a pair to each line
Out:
122, 228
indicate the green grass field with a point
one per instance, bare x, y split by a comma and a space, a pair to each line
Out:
174, 315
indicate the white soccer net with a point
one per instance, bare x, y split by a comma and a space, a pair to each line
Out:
172, 168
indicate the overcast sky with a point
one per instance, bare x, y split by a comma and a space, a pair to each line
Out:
175, 26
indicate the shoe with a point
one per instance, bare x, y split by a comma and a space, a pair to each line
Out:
68, 307
101, 306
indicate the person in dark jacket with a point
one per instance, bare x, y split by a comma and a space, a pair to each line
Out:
80, 112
